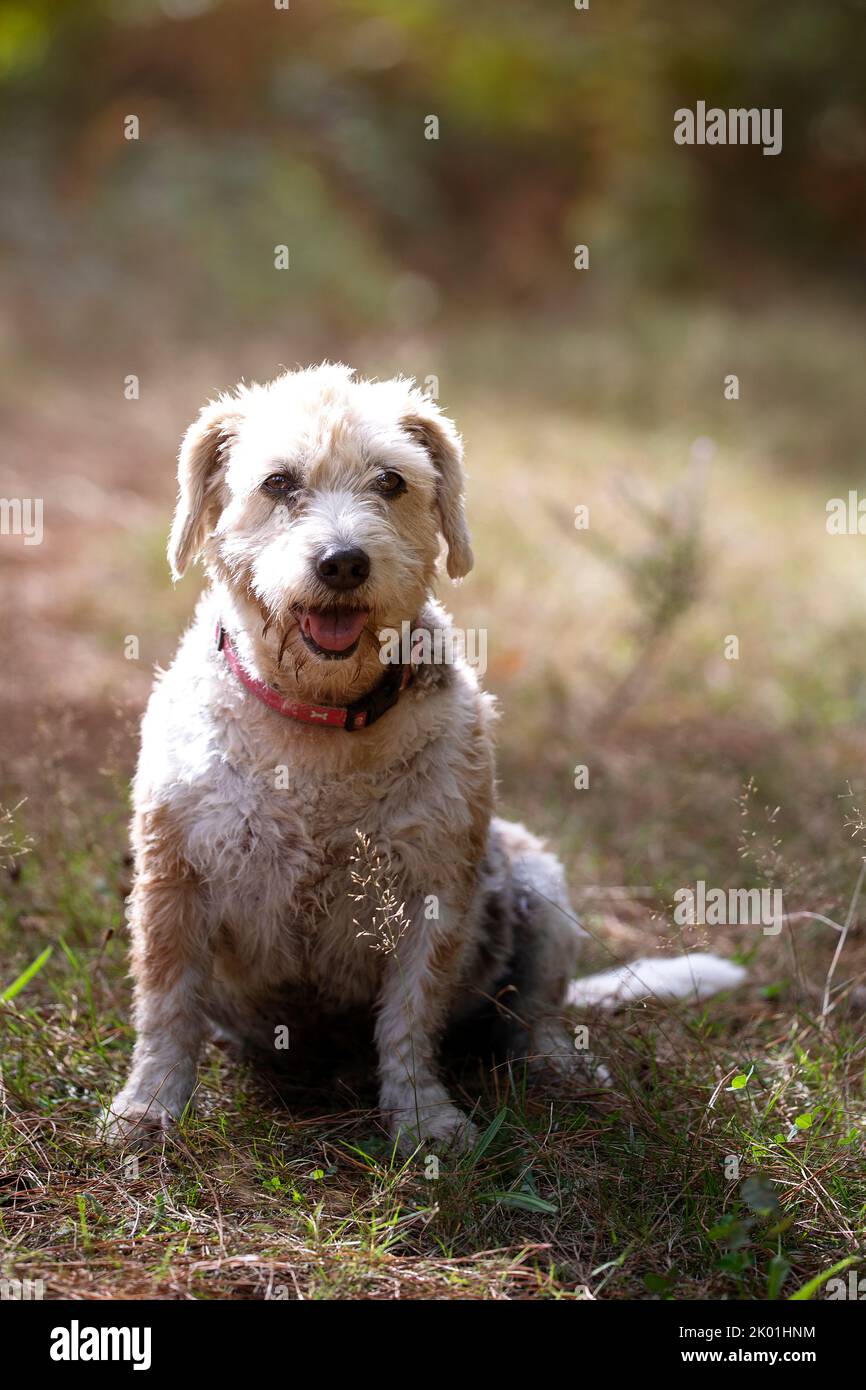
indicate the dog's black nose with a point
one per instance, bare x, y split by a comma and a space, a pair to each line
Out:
343, 566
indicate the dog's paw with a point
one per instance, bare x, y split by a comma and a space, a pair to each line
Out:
429, 1120
450, 1131
130, 1123
447, 1129
554, 1053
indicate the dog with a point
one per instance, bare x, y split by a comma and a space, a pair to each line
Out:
314, 832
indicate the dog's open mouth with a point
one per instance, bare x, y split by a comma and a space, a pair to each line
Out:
332, 632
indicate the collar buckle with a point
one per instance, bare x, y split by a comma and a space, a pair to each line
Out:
365, 711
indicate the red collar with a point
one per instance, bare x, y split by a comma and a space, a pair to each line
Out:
359, 715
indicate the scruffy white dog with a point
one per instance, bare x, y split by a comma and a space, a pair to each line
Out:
317, 503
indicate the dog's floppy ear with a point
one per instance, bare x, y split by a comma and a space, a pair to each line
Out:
438, 435
198, 475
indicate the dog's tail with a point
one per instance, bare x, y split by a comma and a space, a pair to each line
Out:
695, 976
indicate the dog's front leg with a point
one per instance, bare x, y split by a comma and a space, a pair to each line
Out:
172, 959
419, 985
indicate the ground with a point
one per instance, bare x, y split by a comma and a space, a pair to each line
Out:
727, 1158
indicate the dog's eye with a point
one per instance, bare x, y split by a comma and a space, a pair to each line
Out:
390, 484
280, 485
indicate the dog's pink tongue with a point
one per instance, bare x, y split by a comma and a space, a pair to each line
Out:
336, 628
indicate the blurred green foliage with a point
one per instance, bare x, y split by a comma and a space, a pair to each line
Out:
306, 126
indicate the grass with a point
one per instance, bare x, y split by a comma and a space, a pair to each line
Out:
726, 1159
640, 1191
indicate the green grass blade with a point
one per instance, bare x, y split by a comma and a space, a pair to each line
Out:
523, 1201
814, 1284
26, 976
489, 1135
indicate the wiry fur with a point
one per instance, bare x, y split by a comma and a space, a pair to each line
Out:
242, 914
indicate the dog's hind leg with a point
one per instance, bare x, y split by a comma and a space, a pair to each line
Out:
551, 938
547, 945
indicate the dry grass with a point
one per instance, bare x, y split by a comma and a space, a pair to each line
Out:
607, 649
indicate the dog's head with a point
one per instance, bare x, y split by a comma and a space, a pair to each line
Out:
320, 499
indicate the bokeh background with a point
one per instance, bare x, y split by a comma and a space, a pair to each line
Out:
453, 259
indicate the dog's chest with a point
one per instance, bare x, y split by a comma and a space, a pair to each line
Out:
277, 848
